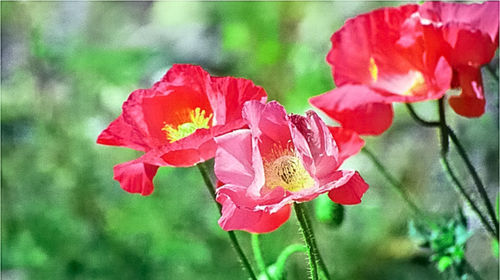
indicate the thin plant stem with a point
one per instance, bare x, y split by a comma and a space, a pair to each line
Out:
461, 190
393, 182
308, 238
417, 118
312, 249
232, 236
257, 253
447, 133
475, 177
283, 257
444, 128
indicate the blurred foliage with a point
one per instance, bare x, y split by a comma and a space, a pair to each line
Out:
446, 241
68, 66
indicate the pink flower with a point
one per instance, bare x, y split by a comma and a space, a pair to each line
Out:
279, 160
174, 122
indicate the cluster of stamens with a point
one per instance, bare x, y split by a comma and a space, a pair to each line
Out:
284, 169
197, 120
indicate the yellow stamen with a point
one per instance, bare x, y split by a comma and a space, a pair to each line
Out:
287, 171
373, 69
198, 120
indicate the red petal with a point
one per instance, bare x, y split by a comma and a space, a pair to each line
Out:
120, 133
135, 176
470, 103
357, 108
351, 192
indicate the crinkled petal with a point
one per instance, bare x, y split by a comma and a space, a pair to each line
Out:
229, 96
356, 107
483, 16
318, 142
135, 176
349, 188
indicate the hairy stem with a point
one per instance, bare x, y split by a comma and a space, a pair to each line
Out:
312, 249
232, 236
308, 238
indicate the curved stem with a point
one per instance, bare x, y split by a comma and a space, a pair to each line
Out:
417, 118
257, 253
232, 236
475, 177
393, 182
308, 238
446, 133
461, 189
283, 257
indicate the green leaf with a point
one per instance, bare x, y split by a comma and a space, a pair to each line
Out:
444, 263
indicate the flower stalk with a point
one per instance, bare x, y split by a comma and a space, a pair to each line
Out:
232, 236
257, 253
312, 249
447, 133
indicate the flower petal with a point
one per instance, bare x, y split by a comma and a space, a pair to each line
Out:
349, 189
470, 103
348, 141
233, 164
136, 176
356, 107
120, 133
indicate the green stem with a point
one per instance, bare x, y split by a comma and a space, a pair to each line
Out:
446, 132
479, 184
308, 238
232, 236
284, 255
419, 119
444, 128
312, 249
393, 182
259, 259
461, 189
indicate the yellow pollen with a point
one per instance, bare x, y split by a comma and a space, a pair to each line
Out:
287, 172
198, 120
417, 83
373, 69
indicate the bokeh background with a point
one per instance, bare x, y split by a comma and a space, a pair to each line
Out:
68, 66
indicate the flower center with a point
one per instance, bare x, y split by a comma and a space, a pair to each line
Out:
197, 120
287, 172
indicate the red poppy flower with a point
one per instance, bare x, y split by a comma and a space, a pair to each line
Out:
279, 160
408, 54
175, 122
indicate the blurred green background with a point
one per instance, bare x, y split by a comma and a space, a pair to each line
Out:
68, 66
